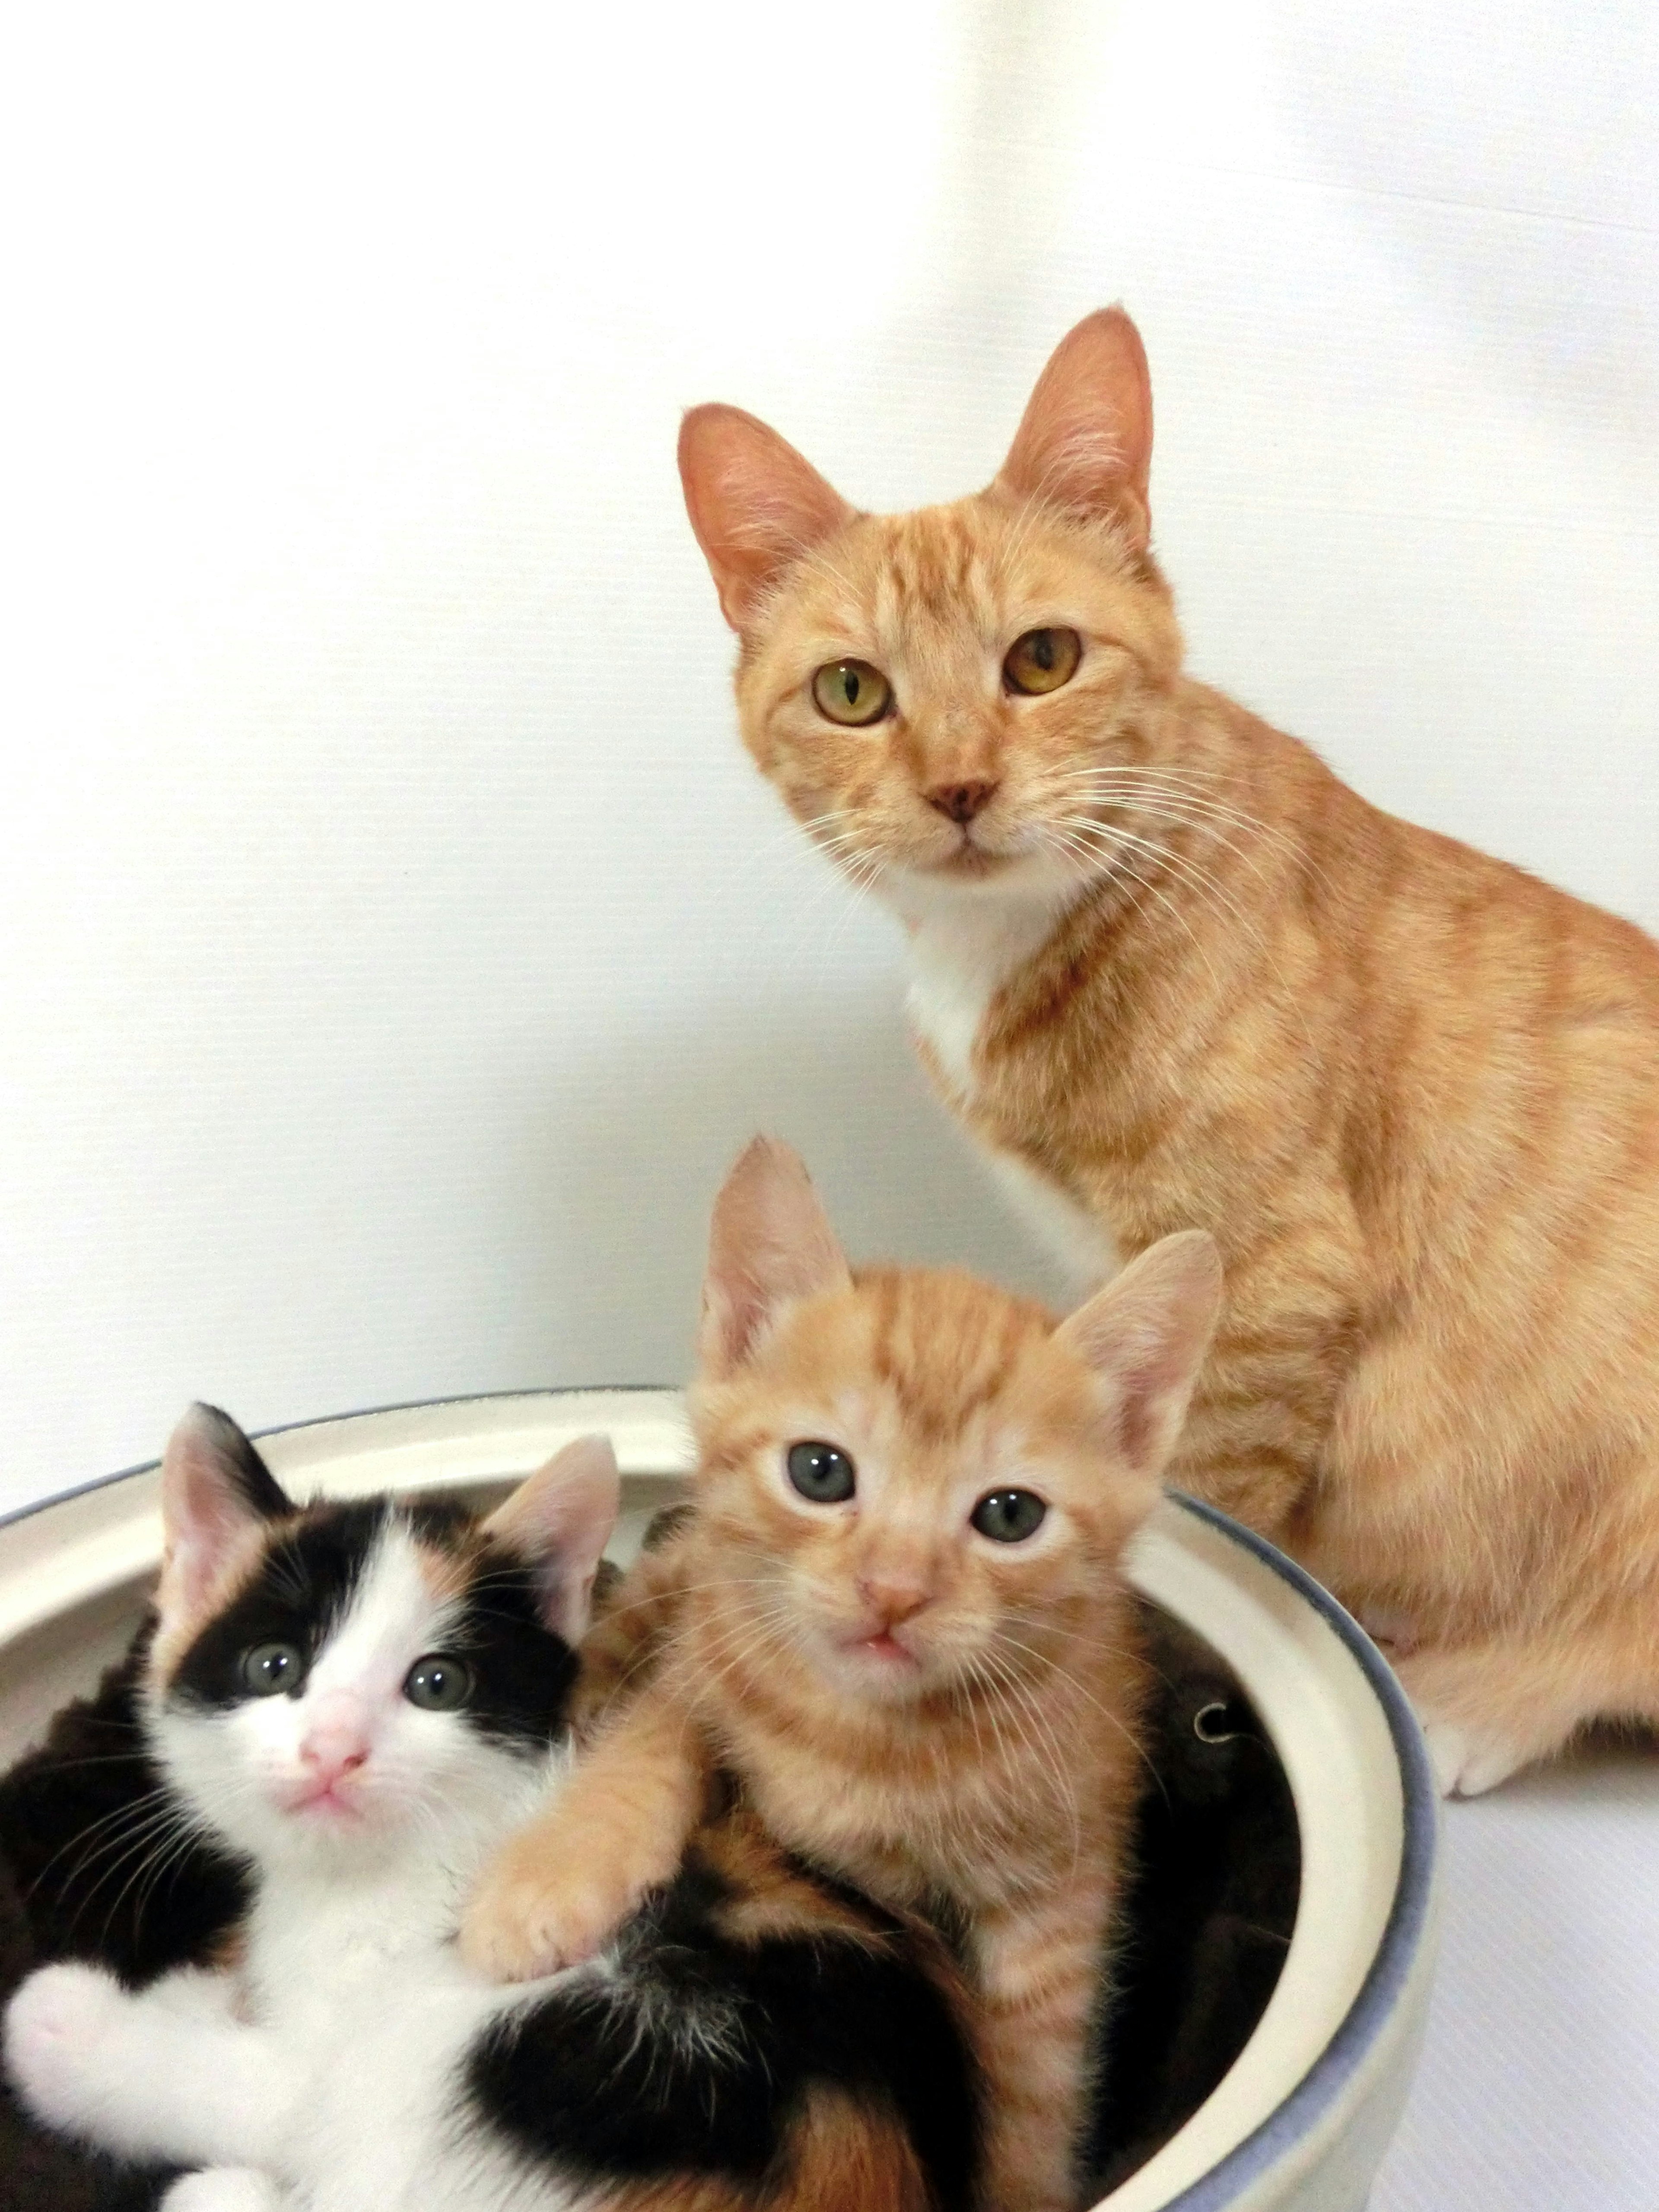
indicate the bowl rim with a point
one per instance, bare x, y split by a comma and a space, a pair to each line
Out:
1299, 2112
1296, 2117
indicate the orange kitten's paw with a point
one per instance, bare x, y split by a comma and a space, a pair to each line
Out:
524, 1922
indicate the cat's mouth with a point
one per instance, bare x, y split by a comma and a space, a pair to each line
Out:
886, 1647
325, 1800
967, 861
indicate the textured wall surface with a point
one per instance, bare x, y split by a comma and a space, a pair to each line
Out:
393, 945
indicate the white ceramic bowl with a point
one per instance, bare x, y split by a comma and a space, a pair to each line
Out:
1301, 2119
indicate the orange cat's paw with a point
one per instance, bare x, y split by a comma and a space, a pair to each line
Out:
524, 1922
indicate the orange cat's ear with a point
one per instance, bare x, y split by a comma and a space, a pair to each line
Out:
1146, 1334
754, 504
1086, 439
770, 1242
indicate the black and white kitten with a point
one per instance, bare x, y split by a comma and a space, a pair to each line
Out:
361, 1701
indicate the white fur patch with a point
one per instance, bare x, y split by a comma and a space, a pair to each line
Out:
1080, 1241
964, 946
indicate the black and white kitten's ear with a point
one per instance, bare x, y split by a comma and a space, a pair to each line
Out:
558, 1521
1085, 441
770, 1242
215, 1489
755, 503
1146, 1335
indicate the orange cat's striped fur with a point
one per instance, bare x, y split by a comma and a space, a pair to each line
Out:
938, 1702
1171, 972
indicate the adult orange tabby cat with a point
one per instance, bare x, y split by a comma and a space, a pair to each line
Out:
1170, 971
895, 1615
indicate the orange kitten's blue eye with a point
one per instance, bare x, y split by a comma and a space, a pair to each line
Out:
850, 691
822, 1473
1009, 1516
1042, 659
438, 1683
269, 1667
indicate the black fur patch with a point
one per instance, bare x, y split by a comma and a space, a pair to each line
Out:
304, 1584
261, 1491
698, 2055
523, 1672
92, 1876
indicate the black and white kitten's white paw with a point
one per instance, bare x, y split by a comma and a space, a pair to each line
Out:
63, 2028
225, 2189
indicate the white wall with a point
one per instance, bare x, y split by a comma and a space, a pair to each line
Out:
395, 945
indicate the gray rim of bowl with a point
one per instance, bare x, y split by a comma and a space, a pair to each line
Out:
1334, 2066
1402, 1932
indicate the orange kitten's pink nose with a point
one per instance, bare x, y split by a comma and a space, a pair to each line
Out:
960, 802
893, 1596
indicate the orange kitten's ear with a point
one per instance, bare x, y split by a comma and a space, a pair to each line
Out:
770, 1242
559, 1520
1147, 1334
215, 1490
1086, 439
754, 504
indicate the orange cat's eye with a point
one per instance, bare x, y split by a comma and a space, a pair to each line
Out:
1042, 659
852, 692
1009, 1516
822, 1472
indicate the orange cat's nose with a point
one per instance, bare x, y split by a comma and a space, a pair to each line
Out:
960, 802
893, 1596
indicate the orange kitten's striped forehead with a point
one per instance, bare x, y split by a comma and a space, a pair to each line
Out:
939, 1390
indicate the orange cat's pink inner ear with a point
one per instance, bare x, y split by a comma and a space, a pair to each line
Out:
1086, 440
756, 505
1146, 1335
769, 1242
558, 1521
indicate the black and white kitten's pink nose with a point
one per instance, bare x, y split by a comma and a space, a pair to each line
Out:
334, 1749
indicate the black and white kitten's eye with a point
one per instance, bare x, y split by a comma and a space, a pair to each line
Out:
269, 1667
440, 1683
1042, 659
851, 692
822, 1473
1009, 1516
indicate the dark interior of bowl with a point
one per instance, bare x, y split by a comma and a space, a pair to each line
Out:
1207, 1924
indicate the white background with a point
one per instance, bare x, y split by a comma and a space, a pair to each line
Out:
394, 946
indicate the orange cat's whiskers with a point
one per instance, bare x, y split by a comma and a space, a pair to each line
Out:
1065, 1675
1113, 836
1128, 787
1110, 787
1070, 840
1032, 1725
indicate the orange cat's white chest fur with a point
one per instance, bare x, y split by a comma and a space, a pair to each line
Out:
962, 950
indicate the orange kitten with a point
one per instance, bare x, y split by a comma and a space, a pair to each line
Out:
1169, 970
899, 1621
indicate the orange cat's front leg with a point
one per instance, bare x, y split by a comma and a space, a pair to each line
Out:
1039, 1969
617, 1830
